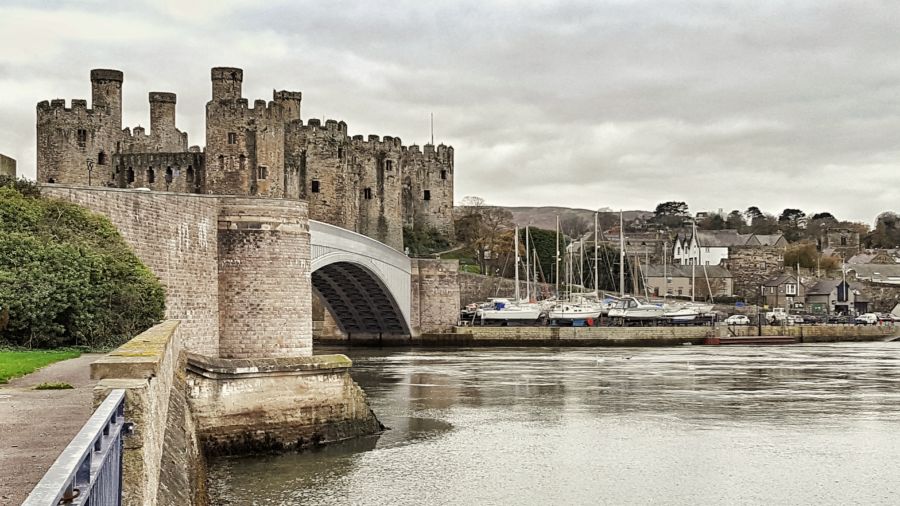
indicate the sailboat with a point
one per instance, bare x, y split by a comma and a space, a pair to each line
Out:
504, 310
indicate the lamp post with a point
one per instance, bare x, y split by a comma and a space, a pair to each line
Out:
90, 169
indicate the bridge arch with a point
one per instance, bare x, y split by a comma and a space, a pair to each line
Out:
364, 283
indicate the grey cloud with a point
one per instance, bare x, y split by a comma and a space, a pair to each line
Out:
589, 104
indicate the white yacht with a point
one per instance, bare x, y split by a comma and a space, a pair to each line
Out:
572, 311
504, 310
630, 308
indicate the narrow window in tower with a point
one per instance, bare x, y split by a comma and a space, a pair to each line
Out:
443, 174
151, 176
388, 165
427, 194
221, 162
190, 174
315, 186
232, 138
81, 137
169, 175
130, 175
340, 153
262, 172
242, 163
101, 158
367, 194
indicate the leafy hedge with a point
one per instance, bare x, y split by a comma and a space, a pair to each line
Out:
67, 277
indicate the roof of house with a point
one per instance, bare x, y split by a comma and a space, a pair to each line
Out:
720, 238
780, 279
769, 239
823, 287
684, 271
876, 256
827, 286
874, 271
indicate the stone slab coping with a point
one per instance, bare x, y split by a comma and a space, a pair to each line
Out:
140, 357
214, 367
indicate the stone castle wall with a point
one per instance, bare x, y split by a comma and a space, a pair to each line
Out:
374, 186
7, 166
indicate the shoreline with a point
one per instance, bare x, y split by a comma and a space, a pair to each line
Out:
617, 336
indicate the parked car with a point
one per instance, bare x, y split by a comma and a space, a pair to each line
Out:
866, 319
838, 318
737, 319
811, 319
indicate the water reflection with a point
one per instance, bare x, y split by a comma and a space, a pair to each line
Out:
685, 425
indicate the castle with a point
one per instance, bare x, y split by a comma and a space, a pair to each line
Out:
374, 186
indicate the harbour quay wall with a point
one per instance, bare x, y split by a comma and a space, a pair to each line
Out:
819, 333
644, 336
568, 336
163, 462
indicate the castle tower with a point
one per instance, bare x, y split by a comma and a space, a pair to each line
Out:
244, 145
428, 188
162, 112
226, 83
290, 102
106, 92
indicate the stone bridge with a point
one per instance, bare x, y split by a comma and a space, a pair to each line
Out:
243, 274
365, 284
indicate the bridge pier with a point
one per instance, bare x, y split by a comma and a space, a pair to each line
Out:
237, 273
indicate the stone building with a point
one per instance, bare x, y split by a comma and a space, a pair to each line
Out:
751, 266
373, 185
677, 280
7, 166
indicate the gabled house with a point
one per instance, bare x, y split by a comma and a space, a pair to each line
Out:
711, 247
832, 296
783, 290
676, 280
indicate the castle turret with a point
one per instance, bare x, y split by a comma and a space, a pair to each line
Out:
162, 112
290, 103
106, 92
226, 83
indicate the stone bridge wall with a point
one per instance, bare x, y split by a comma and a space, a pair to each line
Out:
175, 236
163, 463
235, 268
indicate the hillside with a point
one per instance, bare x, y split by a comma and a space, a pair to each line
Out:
545, 217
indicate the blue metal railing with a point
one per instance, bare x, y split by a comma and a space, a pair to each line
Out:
89, 470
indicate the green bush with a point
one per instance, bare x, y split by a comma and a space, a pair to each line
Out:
67, 277
423, 241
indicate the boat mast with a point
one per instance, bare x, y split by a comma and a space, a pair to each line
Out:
596, 264
693, 262
581, 265
516, 246
665, 274
557, 256
527, 267
622, 252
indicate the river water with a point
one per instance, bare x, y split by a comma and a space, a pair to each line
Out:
685, 425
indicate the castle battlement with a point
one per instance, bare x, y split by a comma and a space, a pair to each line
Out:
370, 184
58, 105
376, 143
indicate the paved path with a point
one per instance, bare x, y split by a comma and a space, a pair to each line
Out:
35, 425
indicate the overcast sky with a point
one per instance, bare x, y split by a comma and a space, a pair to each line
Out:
618, 104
